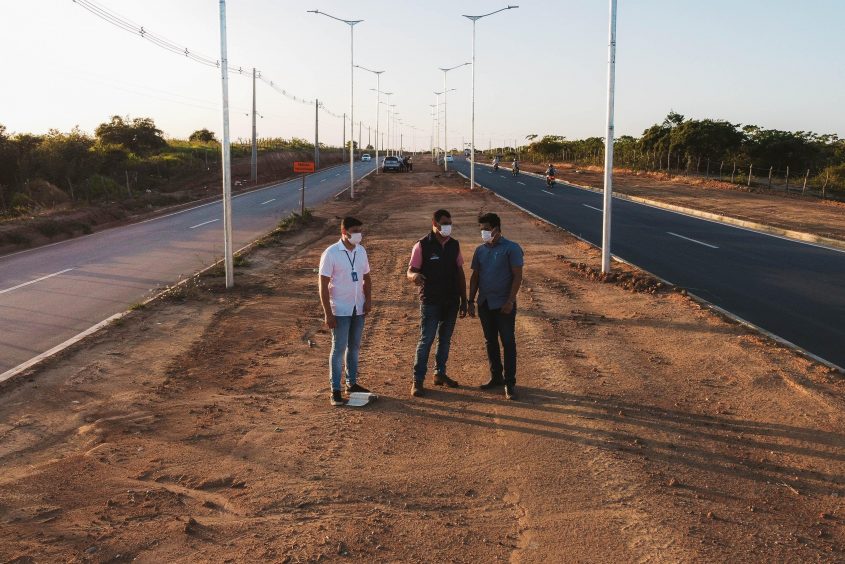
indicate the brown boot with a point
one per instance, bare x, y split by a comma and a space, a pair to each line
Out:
417, 389
443, 380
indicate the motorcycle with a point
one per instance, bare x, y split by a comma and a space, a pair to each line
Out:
550, 180
515, 170
495, 167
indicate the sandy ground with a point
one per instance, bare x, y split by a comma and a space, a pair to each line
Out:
199, 429
807, 214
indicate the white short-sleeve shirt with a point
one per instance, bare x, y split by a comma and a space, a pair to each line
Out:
339, 263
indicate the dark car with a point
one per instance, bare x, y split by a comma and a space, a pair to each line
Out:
391, 164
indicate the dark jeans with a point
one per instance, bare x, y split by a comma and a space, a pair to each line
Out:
497, 325
435, 321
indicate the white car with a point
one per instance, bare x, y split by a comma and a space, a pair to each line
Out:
365, 157
450, 159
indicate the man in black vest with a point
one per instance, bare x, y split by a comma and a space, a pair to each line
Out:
437, 268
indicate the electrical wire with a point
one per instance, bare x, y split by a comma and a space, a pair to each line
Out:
173, 47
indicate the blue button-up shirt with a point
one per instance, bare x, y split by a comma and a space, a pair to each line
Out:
493, 264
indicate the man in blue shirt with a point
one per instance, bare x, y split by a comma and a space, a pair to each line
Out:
496, 278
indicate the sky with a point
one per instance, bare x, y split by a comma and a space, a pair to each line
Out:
540, 69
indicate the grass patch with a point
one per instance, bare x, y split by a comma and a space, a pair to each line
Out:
49, 228
15, 239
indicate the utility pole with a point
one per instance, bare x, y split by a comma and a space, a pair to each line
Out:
317, 133
359, 136
344, 136
226, 156
608, 151
254, 168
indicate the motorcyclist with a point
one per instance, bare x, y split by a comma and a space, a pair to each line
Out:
551, 170
496, 162
515, 166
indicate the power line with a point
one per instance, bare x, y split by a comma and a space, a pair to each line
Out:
173, 47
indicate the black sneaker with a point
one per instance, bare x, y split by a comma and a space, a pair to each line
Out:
337, 398
492, 383
443, 380
356, 388
510, 391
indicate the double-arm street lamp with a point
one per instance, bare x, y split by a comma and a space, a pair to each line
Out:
378, 103
351, 24
437, 100
445, 114
474, 19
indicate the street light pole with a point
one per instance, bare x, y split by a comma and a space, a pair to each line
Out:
378, 103
351, 24
474, 19
446, 114
608, 142
254, 162
432, 106
228, 262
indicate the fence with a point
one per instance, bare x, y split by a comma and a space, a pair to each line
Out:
809, 182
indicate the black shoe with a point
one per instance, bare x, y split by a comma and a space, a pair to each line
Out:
337, 398
443, 380
492, 383
417, 390
356, 388
510, 391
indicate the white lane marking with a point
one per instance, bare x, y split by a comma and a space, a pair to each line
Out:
323, 180
547, 192
34, 281
268, 201
338, 174
592, 208
203, 223
518, 182
693, 240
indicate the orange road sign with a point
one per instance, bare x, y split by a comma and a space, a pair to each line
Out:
303, 166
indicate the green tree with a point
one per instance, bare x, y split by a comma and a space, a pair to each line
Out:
140, 136
203, 136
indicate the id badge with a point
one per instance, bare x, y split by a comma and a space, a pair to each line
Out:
354, 276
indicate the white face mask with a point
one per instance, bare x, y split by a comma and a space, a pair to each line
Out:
355, 238
445, 230
486, 236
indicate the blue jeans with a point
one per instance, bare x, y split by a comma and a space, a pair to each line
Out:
435, 321
346, 338
497, 325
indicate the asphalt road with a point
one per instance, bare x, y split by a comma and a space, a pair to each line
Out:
51, 293
791, 289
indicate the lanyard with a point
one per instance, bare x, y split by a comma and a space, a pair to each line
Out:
352, 260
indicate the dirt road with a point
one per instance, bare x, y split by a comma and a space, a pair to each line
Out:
199, 429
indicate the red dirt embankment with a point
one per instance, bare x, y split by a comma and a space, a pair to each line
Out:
787, 211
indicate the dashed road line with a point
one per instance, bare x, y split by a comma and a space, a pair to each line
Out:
268, 201
693, 240
34, 281
203, 223
592, 208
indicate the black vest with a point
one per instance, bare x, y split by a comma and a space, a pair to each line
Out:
440, 268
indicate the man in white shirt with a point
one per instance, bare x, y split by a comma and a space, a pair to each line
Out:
345, 293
